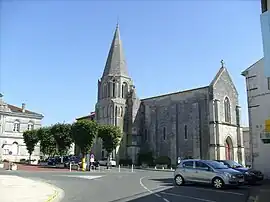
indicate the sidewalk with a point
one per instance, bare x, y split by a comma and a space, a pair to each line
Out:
14, 189
260, 193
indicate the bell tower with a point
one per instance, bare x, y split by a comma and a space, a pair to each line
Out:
113, 89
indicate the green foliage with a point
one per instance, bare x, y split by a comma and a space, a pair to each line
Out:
110, 136
47, 141
30, 139
62, 135
83, 133
146, 158
163, 160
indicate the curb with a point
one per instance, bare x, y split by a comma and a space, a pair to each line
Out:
52, 197
57, 196
161, 170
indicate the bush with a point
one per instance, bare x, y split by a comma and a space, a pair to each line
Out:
163, 160
125, 162
145, 158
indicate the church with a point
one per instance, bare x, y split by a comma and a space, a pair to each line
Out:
199, 123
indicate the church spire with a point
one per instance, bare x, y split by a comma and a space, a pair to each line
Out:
116, 62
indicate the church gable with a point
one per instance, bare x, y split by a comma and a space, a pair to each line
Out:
224, 90
223, 80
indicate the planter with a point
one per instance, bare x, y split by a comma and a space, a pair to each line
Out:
1, 165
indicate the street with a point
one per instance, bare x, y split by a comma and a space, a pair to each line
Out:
123, 186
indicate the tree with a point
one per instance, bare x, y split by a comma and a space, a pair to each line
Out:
30, 139
83, 133
62, 136
47, 141
110, 136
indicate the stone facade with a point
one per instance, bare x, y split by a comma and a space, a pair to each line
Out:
199, 123
13, 122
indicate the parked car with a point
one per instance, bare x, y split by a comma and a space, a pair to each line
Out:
73, 160
251, 175
206, 171
104, 161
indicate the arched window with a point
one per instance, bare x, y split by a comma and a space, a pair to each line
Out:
121, 111
186, 133
30, 126
109, 90
111, 111
16, 126
104, 93
164, 133
145, 135
113, 88
15, 148
124, 90
227, 110
115, 116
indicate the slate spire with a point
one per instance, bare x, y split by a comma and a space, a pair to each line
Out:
116, 62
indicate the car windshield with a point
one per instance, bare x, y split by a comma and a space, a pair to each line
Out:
216, 165
234, 164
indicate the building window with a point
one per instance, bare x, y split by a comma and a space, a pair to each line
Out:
124, 90
227, 110
268, 83
121, 111
6, 150
30, 126
164, 133
145, 135
16, 127
113, 88
186, 133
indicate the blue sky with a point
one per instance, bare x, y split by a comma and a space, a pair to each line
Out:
53, 52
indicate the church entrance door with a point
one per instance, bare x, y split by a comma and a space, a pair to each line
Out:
229, 149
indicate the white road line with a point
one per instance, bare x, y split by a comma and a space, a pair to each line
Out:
157, 195
214, 190
189, 197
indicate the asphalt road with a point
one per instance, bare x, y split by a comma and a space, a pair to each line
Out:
124, 186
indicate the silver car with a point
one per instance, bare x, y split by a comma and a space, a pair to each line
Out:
206, 171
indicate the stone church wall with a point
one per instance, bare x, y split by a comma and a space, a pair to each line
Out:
177, 124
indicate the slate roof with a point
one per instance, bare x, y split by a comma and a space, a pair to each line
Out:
16, 109
116, 62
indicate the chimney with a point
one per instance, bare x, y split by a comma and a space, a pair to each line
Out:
23, 107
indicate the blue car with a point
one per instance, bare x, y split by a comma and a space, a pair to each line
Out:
251, 176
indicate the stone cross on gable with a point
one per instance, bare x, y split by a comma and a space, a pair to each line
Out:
222, 63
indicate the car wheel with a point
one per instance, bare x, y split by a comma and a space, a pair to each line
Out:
179, 180
218, 183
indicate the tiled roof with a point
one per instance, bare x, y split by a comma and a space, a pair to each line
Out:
19, 110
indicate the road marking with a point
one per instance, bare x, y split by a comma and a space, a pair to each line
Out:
189, 197
82, 176
151, 192
220, 191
